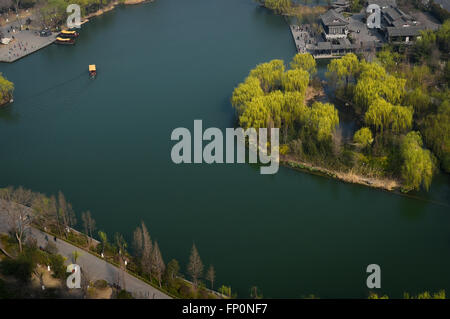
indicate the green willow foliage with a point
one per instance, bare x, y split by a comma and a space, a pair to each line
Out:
436, 131
305, 62
273, 97
363, 137
54, 13
322, 120
417, 168
278, 6
6, 90
383, 115
373, 83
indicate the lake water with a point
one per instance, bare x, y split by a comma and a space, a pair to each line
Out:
106, 144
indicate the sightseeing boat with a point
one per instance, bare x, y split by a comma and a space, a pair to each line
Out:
69, 34
92, 70
66, 41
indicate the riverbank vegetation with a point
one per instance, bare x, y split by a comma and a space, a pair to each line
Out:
55, 216
424, 295
53, 14
402, 110
402, 99
6, 90
303, 12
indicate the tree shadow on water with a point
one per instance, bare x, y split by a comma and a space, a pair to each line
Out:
8, 115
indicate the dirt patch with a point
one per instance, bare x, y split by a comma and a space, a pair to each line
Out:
44, 277
97, 293
313, 93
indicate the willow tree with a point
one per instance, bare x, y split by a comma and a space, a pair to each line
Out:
256, 114
401, 119
269, 74
390, 60
274, 101
383, 116
436, 130
322, 119
6, 90
278, 6
304, 61
245, 92
294, 107
293, 110
419, 100
417, 167
363, 137
342, 71
295, 80
369, 88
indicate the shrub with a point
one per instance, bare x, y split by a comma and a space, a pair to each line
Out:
20, 268
123, 294
101, 284
58, 267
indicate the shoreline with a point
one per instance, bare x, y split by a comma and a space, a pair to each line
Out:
42, 42
386, 184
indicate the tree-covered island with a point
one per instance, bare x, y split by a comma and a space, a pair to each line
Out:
399, 101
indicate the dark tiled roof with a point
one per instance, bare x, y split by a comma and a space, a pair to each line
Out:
383, 3
404, 31
332, 18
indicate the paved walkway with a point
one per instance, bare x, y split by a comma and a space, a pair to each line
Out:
96, 267
24, 42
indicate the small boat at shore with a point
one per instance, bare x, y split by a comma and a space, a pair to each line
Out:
92, 70
64, 41
68, 34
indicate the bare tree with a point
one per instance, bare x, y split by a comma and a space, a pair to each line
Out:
23, 196
19, 220
53, 210
195, 266
158, 263
142, 246
211, 275
44, 210
137, 243
89, 225
147, 248
65, 212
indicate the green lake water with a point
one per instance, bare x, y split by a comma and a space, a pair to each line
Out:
106, 144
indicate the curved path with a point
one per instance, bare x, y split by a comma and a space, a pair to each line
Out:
96, 268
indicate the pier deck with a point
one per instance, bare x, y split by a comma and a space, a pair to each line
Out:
24, 43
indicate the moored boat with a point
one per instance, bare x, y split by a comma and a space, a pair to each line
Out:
60, 40
68, 34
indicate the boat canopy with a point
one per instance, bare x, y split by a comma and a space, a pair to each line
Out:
68, 32
92, 68
63, 39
